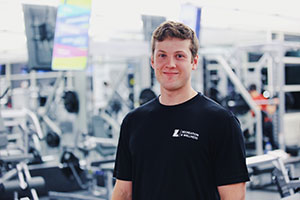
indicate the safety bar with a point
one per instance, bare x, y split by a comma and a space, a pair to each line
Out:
14, 185
99, 140
18, 113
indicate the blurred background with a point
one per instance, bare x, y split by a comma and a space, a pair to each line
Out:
70, 70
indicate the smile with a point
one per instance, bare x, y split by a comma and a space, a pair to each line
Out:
170, 73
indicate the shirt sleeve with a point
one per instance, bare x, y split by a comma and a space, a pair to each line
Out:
123, 165
230, 158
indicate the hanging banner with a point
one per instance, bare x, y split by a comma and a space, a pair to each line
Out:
70, 50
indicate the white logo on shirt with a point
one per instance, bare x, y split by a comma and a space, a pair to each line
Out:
186, 134
175, 134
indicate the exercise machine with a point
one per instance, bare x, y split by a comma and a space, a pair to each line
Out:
287, 186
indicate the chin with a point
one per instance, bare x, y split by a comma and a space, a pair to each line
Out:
170, 87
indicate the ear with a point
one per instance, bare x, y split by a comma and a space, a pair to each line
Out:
195, 62
152, 61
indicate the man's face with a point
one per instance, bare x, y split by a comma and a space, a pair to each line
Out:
172, 62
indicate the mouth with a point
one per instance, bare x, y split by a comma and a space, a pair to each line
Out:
170, 73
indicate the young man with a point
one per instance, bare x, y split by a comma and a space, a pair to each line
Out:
180, 145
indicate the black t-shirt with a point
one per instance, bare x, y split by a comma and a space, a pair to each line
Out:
180, 152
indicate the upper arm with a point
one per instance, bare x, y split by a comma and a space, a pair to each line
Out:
233, 191
229, 158
122, 190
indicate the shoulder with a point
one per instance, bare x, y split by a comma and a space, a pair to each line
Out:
222, 123
141, 111
214, 110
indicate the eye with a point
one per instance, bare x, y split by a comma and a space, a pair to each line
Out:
180, 56
162, 55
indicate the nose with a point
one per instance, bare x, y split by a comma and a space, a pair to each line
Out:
171, 62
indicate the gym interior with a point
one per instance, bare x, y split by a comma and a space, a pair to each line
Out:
70, 72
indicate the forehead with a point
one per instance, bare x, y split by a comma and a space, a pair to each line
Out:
173, 44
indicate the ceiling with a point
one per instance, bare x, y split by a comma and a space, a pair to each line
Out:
223, 22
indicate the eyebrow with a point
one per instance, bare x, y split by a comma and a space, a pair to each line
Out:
162, 51
180, 52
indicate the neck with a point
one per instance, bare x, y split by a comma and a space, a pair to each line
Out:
176, 97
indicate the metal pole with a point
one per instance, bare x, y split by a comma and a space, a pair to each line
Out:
8, 77
33, 91
280, 87
81, 117
270, 76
